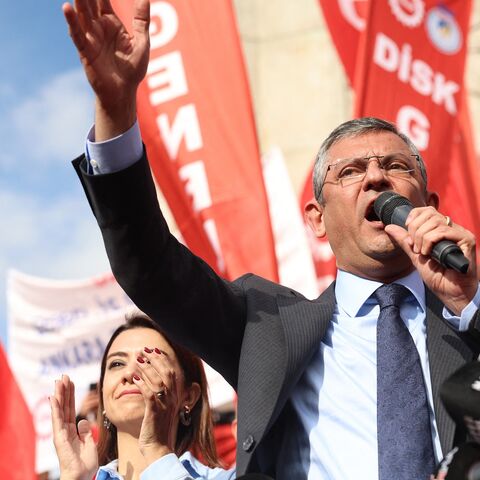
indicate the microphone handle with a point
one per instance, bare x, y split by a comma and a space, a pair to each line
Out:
449, 255
446, 253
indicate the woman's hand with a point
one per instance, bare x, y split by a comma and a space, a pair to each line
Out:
114, 61
76, 452
158, 384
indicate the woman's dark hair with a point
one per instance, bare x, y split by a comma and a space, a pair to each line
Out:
198, 436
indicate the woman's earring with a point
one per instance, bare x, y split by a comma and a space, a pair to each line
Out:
185, 416
106, 422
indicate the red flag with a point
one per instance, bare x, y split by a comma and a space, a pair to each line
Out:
411, 70
226, 444
197, 121
345, 20
17, 433
462, 198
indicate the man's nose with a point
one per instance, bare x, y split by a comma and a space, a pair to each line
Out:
375, 173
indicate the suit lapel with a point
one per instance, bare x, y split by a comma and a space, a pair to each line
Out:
269, 375
447, 352
304, 324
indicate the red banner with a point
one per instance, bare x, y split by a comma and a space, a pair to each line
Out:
462, 192
17, 433
197, 121
346, 19
410, 30
411, 72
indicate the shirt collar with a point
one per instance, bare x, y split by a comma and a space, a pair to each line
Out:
108, 471
351, 291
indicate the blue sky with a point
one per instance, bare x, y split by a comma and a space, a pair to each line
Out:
46, 109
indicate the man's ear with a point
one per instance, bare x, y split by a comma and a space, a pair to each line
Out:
433, 200
313, 213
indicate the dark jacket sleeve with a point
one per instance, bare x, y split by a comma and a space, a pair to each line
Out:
162, 277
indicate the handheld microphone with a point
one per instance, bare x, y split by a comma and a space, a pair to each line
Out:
393, 208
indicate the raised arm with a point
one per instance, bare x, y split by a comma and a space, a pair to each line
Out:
115, 61
163, 278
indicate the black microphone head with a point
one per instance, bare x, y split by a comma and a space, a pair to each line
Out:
461, 463
460, 393
386, 203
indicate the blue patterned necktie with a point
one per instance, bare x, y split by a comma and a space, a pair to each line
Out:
405, 449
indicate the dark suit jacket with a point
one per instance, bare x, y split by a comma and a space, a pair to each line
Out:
259, 335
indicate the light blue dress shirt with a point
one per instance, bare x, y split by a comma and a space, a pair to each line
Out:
114, 154
336, 398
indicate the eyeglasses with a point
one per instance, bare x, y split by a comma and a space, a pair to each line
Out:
348, 171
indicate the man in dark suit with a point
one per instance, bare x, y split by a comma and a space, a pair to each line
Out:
312, 403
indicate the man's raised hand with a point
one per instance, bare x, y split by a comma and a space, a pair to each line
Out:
114, 60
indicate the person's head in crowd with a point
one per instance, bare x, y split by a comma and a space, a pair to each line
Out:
357, 161
89, 405
122, 413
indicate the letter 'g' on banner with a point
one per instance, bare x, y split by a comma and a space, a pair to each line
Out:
197, 122
410, 71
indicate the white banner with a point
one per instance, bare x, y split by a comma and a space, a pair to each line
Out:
57, 327
295, 265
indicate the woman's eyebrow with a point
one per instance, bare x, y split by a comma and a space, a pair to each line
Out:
117, 354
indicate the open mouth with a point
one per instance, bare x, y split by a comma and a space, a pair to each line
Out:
370, 214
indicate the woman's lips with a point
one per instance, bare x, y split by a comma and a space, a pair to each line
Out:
130, 392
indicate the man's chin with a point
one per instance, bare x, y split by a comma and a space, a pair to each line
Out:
385, 252
390, 258
380, 242
383, 249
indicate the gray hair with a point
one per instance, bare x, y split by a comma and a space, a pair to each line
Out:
356, 128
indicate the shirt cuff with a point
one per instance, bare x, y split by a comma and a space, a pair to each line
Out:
168, 467
462, 322
115, 154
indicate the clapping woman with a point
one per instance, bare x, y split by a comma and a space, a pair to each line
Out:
153, 415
